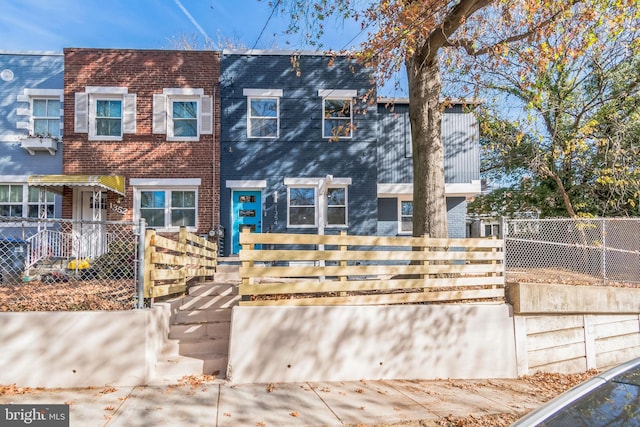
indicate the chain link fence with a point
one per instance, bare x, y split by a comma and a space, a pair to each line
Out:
573, 251
67, 265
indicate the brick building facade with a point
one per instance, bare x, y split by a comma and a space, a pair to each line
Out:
151, 118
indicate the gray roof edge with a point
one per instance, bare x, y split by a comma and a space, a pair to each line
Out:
31, 52
287, 52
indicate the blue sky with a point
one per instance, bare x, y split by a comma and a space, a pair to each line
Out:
51, 25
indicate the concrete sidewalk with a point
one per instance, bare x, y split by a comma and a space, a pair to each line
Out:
218, 403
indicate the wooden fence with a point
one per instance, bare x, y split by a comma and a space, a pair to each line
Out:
306, 269
170, 264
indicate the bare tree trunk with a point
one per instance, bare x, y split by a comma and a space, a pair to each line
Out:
425, 114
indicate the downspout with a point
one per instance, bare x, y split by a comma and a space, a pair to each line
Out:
214, 165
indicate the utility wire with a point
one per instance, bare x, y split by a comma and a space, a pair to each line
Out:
275, 6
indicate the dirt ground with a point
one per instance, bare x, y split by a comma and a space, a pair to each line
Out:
70, 295
562, 277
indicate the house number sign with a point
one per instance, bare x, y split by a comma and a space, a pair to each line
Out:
119, 209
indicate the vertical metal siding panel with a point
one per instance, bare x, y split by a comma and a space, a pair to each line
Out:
461, 147
394, 165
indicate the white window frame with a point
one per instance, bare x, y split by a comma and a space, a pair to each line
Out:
163, 112
320, 200
28, 96
167, 186
38, 203
263, 94
346, 207
315, 206
400, 230
25, 203
338, 95
93, 118
170, 120
494, 229
48, 118
85, 114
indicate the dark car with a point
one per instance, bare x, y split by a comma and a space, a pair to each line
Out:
608, 399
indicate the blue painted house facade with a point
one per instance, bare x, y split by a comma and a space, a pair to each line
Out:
298, 145
31, 129
305, 150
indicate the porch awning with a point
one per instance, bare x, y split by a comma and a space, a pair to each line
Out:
104, 182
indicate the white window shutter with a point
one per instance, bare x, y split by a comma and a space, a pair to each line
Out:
81, 121
206, 115
129, 114
159, 113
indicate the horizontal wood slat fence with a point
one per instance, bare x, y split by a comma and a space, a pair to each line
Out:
171, 264
307, 269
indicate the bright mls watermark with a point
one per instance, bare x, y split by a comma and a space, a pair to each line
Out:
34, 415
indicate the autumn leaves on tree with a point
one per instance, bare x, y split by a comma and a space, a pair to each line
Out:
466, 39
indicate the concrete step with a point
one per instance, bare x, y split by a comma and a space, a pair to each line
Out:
200, 302
170, 370
204, 347
202, 316
200, 330
213, 289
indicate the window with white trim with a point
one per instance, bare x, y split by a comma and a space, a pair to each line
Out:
105, 113
11, 200
183, 114
22, 201
337, 113
168, 208
337, 206
39, 201
405, 216
492, 230
263, 112
301, 204
182, 124
311, 200
108, 117
45, 115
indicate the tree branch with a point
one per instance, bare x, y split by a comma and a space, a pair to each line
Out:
440, 35
467, 44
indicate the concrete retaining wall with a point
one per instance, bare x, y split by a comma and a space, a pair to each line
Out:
79, 349
342, 343
561, 328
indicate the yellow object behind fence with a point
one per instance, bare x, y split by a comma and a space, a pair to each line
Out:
79, 264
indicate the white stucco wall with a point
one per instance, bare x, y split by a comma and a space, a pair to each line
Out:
286, 344
78, 349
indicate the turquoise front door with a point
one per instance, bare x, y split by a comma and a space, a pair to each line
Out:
247, 213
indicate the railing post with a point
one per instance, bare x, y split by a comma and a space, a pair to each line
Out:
494, 249
504, 225
142, 231
425, 262
343, 263
183, 241
148, 262
247, 281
